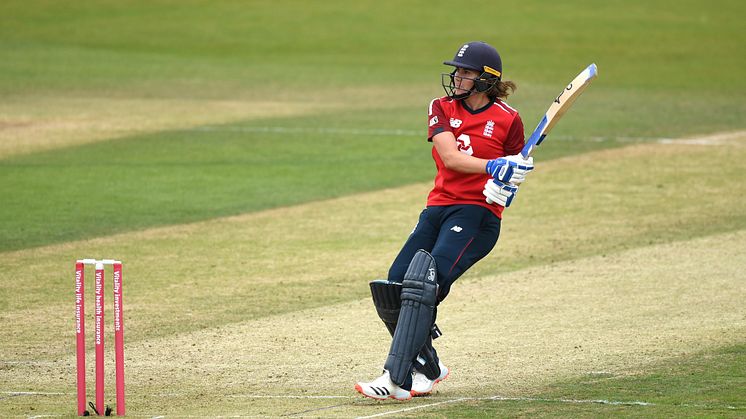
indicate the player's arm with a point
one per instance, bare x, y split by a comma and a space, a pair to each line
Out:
511, 169
447, 147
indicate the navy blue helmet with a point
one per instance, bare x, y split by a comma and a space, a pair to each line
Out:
477, 56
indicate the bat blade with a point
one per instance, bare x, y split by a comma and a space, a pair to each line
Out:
559, 106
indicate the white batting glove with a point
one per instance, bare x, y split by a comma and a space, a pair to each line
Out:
499, 193
510, 169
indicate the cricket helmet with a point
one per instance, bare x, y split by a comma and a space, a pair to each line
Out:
477, 56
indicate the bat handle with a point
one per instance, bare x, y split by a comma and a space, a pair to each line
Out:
537, 136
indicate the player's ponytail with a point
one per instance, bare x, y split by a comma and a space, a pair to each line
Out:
501, 89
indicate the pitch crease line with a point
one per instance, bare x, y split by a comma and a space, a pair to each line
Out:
574, 401
500, 398
34, 393
257, 396
537, 399
409, 409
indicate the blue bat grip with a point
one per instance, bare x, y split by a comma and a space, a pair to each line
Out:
536, 138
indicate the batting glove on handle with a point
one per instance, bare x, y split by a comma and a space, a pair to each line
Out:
499, 193
510, 169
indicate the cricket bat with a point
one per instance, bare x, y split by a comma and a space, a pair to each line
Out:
558, 108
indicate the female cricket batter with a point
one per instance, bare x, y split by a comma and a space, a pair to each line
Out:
472, 130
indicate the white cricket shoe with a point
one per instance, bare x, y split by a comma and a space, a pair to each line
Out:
422, 386
383, 388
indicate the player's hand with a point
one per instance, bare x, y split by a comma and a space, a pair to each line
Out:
499, 193
510, 169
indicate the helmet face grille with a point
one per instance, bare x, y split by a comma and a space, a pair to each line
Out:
481, 84
449, 85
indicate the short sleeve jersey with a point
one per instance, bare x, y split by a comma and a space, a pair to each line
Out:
493, 131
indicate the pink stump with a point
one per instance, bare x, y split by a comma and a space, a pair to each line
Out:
80, 332
99, 338
119, 338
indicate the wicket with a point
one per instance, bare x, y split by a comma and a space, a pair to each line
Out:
99, 333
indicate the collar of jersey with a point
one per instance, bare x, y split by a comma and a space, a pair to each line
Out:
480, 110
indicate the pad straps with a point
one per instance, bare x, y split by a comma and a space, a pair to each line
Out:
387, 300
418, 298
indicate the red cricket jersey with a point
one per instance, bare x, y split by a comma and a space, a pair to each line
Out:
488, 133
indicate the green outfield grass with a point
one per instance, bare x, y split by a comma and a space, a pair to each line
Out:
256, 165
111, 54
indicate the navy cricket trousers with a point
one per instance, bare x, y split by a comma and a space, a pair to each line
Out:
457, 236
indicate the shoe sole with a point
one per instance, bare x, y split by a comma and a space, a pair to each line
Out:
427, 393
390, 396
